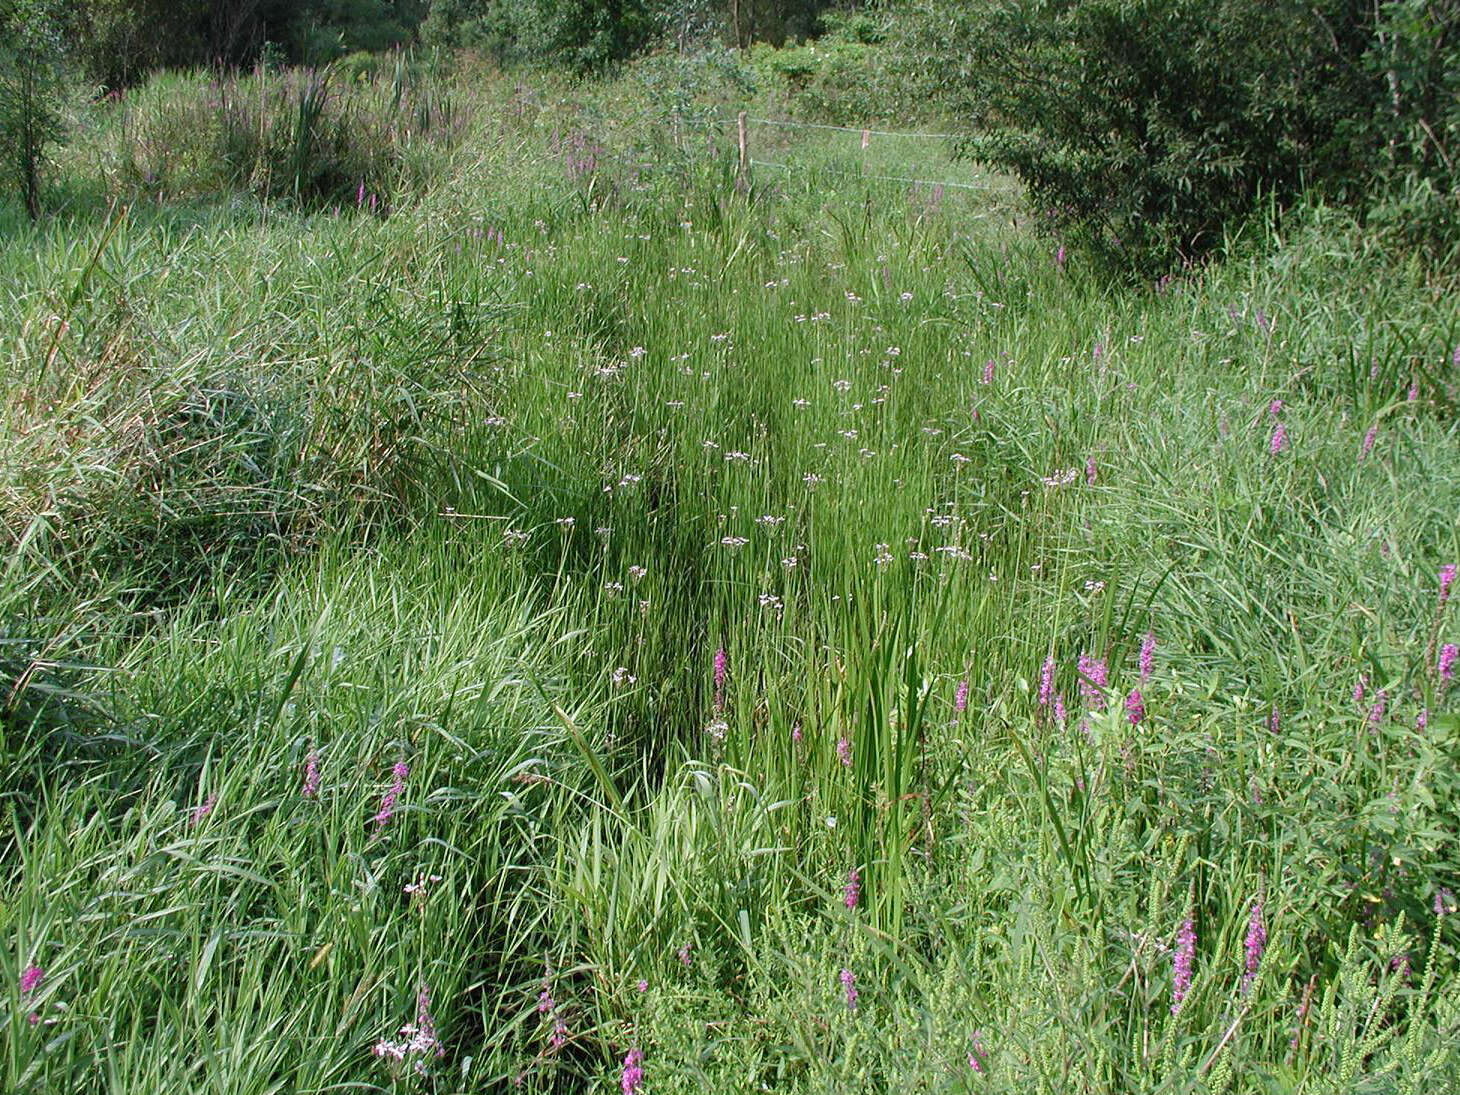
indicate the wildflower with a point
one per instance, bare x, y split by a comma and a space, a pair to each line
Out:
1448, 654
30, 979
721, 669
988, 371
1256, 943
1093, 678
633, 1074
1279, 440
1359, 689
421, 1040
853, 891
1046, 682
1369, 441
844, 752
204, 808
311, 775
1376, 713
960, 697
1414, 391
421, 884
1135, 707
1090, 471
796, 733
1422, 719
977, 1055
684, 955
1059, 708
1273, 722
1148, 655
1447, 579
1181, 962
1275, 408
643, 985
849, 983
387, 801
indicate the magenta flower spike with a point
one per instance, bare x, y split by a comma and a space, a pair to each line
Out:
1148, 655
311, 776
853, 891
1255, 944
1449, 653
1279, 439
849, 984
1181, 962
633, 1074
1447, 579
1135, 707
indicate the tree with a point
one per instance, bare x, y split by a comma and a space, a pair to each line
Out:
32, 84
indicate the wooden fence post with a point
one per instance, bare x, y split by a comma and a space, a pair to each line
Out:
744, 178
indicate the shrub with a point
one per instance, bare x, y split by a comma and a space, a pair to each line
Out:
1151, 126
32, 83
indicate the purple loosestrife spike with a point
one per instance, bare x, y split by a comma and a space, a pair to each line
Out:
1181, 962
387, 801
1255, 944
721, 669
1046, 682
1414, 392
988, 371
311, 776
1279, 440
1275, 408
643, 985
30, 979
633, 1074
1359, 689
1059, 257
1369, 441
849, 983
1090, 471
1135, 707
1148, 655
977, 1054
1059, 709
960, 697
1422, 719
1447, 579
1273, 722
844, 752
684, 955
1376, 713
853, 891
204, 809
1448, 655
1094, 679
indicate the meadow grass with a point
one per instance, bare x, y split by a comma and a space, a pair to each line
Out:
366, 577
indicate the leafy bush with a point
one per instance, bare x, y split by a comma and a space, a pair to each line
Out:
1151, 126
32, 83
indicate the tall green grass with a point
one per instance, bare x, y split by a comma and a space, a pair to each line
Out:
483, 486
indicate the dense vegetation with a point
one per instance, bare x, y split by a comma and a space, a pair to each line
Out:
492, 598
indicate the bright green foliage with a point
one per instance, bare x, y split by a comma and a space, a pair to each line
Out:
480, 487
1153, 127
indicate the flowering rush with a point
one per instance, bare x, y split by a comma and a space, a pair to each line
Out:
420, 1041
387, 801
